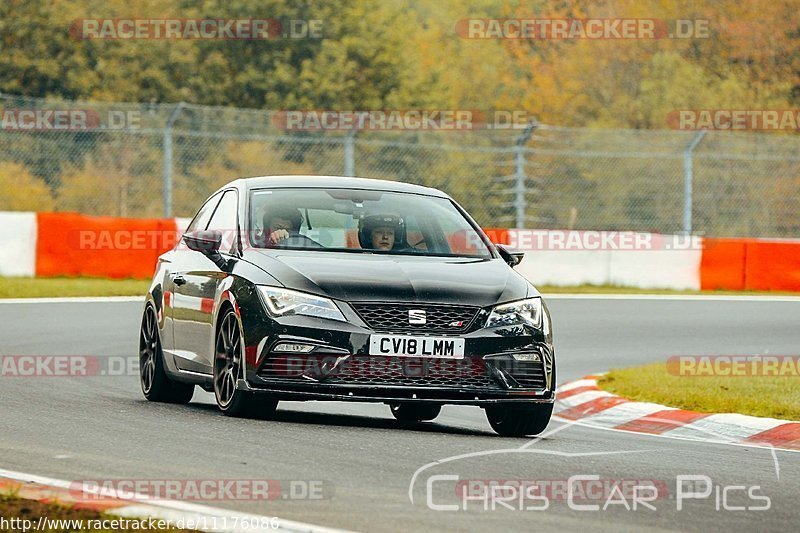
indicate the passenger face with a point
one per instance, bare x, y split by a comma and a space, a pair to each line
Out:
383, 238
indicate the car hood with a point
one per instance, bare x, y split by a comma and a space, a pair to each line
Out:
376, 277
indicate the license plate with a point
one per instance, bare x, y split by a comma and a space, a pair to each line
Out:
410, 346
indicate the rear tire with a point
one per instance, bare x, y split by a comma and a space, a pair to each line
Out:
229, 368
510, 420
156, 385
409, 412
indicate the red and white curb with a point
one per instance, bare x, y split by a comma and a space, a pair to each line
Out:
203, 518
583, 401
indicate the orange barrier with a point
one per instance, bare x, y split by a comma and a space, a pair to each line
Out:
722, 264
69, 244
772, 266
750, 264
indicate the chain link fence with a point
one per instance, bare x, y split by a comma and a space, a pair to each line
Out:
149, 160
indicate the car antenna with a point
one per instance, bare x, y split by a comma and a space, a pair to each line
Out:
308, 220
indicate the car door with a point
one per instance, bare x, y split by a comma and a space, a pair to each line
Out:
195, 284
176, 262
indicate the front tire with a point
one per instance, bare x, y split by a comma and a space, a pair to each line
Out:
229, 368
156, 385
409, 412
509, 420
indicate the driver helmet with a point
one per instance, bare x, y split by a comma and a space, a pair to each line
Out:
370, 222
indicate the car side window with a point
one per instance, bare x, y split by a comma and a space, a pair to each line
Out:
225, 219
204, 215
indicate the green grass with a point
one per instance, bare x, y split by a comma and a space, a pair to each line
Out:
56, 287
14, 508
774, 397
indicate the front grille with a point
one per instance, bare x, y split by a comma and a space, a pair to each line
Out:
364, 370
395, 317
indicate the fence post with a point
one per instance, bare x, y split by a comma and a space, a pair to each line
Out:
349, 163
349, 146
167, 186
520, 204
688, 178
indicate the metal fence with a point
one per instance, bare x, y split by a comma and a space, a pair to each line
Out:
162, 160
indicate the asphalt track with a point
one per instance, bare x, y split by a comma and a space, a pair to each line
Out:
102, 428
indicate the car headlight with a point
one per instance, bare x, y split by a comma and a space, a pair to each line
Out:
285, 302
526, 312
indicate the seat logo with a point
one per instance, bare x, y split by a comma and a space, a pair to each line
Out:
417, 316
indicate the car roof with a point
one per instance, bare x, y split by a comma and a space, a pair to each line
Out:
333, 182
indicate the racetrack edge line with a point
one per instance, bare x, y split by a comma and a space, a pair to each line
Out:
74, 299
164, 509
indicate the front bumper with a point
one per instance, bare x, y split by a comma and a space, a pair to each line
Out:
341, 368
390, 394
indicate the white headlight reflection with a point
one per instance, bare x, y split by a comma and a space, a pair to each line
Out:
285, 302
526, 312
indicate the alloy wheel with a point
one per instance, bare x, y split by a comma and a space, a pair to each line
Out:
227, 360
148, 350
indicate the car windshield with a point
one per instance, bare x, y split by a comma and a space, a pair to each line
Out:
355, 220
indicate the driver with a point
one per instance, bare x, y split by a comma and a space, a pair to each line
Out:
280, 224
382, 232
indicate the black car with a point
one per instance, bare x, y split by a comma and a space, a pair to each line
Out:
332, 288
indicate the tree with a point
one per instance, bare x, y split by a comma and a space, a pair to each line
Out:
22, 191
231, 160
119, 178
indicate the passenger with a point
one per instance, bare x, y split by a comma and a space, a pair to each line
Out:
382, 232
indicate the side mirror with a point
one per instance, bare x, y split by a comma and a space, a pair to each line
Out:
206, 242
512, 257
